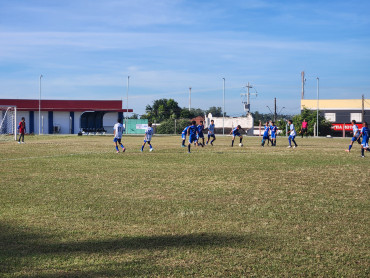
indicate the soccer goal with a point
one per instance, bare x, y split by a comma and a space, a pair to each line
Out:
8, 123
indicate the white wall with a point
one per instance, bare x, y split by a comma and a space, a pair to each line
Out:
62, 119
77, 122
244, 122
44, 122
109, 121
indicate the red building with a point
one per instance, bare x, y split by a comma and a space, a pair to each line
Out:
67, 116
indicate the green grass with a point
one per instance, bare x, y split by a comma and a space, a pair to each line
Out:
72, 207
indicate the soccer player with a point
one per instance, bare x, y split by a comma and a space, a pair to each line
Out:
292, 134
365, 133
200, 133
265, 134
118, 129
356, 135
211, 132
148, 137
22, 130
273, 130
192, 133
235, 132
183, 135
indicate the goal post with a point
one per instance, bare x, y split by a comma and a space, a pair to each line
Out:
8, 123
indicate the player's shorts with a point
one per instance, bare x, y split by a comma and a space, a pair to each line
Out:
192, 138
291, 137
146, 141
211, 135
273, 135
265, 137
304, 130
365, 143
236, 134
354, 138
117, 140
183, 136
200, 135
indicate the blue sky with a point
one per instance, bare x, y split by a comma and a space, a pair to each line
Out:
85, 49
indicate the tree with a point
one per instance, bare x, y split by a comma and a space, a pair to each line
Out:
311, 118
215, 111
162, 109
168, 126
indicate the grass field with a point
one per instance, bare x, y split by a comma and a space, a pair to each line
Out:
72, 207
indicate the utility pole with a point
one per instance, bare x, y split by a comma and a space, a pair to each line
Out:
303, 81
223, 109
247, 104
189, 98
275, 110
363, 108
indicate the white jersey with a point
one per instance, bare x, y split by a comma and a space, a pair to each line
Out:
148, 133
119, 129
292, 130
356, 133
211, 129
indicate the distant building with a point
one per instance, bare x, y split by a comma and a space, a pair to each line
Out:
340, 112
67, 116
230, 122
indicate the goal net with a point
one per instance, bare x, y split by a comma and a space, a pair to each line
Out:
8, 124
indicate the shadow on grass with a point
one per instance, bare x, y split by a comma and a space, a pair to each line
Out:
22, 249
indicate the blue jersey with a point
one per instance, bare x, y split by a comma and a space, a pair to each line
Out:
365, 133
200, 129
236, 131
211, 129
185, 130
266, 131
273, 129
193, 130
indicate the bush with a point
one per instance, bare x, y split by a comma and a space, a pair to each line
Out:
168, 126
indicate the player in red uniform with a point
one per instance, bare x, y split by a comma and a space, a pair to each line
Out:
22, 130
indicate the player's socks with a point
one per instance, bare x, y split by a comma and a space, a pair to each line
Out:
350, 147
212, 142
183, 142
263, 143
142, 147
362, 152
117, 149
189, 148
232, 143
241, 139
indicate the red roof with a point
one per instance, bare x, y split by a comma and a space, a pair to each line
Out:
65, 105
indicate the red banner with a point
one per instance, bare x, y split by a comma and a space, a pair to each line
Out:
348, 127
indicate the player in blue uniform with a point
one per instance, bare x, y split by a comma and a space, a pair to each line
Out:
273, 131
183, 136
265, 134
211, 132
200, 128
292, 134
356, 135
235, 132
365, 133
192, 133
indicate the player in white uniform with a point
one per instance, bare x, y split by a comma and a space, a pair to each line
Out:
356, 135
148, 137
292, 134
211, 132
118, 129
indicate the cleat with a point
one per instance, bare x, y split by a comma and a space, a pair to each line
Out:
117, 151
123, 150
19, 142
289, 147
151, 149
141, 150
294, 147
347, 151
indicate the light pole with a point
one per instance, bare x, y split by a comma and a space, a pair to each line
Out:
40, 105
317, 120
128, 86
189, 98
223, 109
